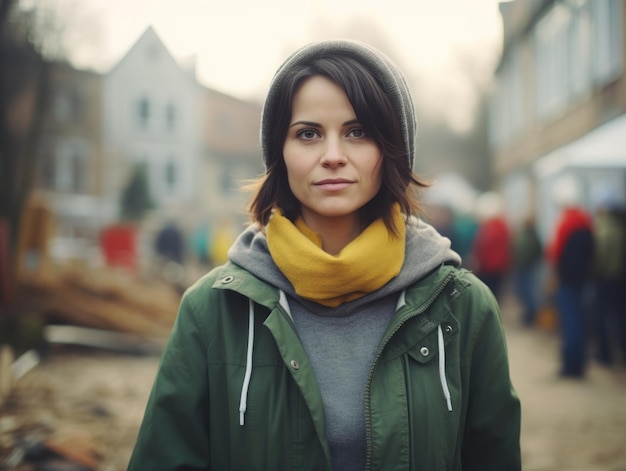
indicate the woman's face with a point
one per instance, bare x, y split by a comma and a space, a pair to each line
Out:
333, 166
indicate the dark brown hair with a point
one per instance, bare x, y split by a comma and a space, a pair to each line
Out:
375, 113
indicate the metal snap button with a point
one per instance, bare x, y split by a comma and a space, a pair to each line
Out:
448, 329
424, 351
295, 365
227, 279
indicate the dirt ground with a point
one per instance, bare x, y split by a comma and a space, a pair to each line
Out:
567, 425
97, 395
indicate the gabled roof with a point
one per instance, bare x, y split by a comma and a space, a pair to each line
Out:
229, 125
150, 38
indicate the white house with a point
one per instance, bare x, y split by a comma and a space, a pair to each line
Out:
150, 119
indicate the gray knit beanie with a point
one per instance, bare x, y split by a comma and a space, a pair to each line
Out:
381, 67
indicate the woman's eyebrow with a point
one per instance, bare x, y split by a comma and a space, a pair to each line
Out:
305, 123
314, 124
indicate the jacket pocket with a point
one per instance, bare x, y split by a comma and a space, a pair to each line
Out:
434, 397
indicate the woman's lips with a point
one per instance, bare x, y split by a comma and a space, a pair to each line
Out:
335, 184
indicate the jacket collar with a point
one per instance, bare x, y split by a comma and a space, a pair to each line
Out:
417, 298
233, 277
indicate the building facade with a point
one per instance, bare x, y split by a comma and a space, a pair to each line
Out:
70, 156
147, 114
230, 155
558, 105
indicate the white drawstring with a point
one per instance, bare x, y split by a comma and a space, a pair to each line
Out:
442, 355
246, 379
282, 301
442, 368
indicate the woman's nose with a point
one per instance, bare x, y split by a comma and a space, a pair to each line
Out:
334, 154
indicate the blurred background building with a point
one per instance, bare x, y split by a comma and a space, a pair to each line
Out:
71, 155
558, 106
141, 147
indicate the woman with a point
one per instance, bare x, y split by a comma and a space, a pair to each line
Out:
341, 334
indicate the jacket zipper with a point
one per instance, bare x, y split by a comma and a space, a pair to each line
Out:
407, 381
368, 422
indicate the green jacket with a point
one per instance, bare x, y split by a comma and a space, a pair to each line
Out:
192, 420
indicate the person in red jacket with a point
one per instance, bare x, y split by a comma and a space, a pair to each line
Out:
491, 250
570, 254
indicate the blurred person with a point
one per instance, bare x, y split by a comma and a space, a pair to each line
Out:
169, 246
609, 315
222, 239
491, 250
464, 227
200, 242
570, 253
170, 243
527, 258
342, 333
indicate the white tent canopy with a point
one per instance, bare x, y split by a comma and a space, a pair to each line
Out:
604, 147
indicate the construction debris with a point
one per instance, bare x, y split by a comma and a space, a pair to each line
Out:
101, 298
11, 371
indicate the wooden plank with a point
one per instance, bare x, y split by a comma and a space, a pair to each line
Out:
105, 339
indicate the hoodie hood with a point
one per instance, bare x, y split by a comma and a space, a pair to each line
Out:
425, 250
381, 67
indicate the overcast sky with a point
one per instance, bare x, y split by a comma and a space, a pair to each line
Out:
444, 46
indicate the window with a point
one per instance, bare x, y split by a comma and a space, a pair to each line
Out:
551, 52
78, 174
67, 105
143, 112
578, 43
171, 174
607, 40
48, 171
507, 110
580, 40
513, 75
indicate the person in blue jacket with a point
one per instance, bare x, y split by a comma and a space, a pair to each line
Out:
342, 333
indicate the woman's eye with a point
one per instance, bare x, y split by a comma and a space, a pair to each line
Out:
307, 134
357, 132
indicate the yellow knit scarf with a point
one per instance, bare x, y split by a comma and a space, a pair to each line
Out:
363, 266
